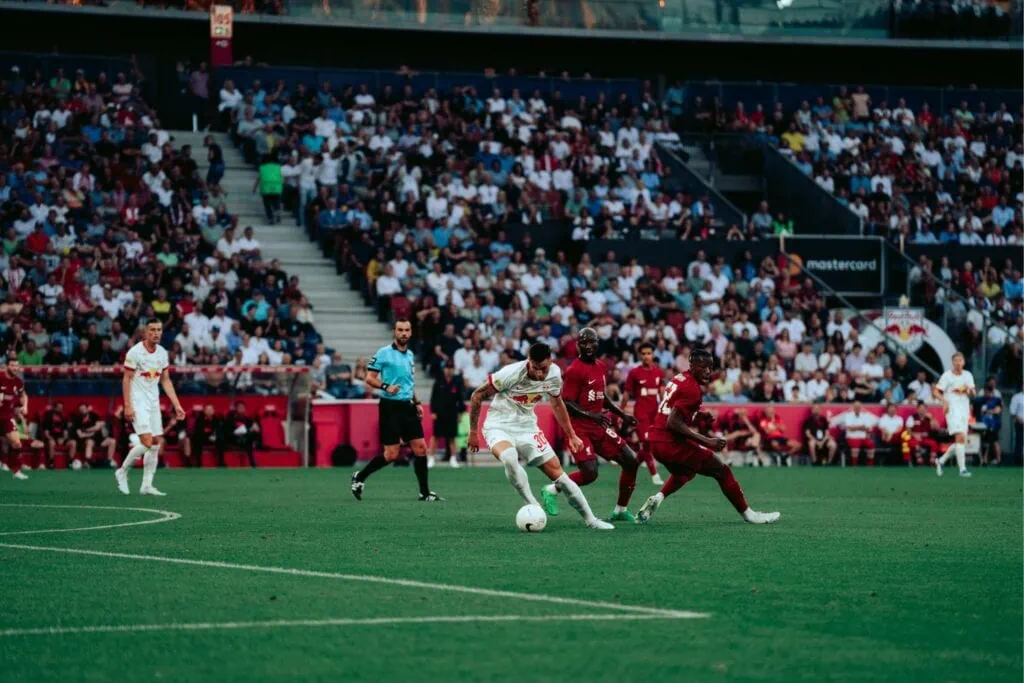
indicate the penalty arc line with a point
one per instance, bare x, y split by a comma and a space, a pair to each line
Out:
320, 623
405, 583
165, 516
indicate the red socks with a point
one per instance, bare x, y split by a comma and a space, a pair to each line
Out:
674, 483
731, 488
627, 482
646, 458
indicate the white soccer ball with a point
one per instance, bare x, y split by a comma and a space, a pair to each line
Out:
531, 518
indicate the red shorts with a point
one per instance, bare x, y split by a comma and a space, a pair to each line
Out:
643, 423
597, 440
685, 458
7, 425
867, 443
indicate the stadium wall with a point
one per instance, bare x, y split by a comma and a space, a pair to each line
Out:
355, 423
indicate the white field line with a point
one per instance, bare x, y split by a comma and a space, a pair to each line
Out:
319, 623
405, 583
165, 516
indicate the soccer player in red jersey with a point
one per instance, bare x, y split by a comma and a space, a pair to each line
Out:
679, 445
644, 385
583, 392
12, 397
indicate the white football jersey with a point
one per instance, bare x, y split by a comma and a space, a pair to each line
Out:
890, 424
954, 390
518, 394
859, 426
148, 368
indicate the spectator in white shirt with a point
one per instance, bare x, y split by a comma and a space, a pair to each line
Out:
696, 329
816, 388
795, 389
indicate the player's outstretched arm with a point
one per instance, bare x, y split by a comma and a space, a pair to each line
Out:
168, 386
677, 423
574, 409
620, 413
483, 393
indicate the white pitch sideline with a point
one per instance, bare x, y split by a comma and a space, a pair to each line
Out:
320, 623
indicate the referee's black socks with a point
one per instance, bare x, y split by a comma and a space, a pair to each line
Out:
419, 464
377, 463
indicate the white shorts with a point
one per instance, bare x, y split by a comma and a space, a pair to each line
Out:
532, 446
147, 419
956, 422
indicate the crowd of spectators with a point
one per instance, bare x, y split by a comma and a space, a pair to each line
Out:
435, 168
981, 307
106, 223
924, 177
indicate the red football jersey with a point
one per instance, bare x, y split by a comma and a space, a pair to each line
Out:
643, 384
583, 384
11, 389
682, 392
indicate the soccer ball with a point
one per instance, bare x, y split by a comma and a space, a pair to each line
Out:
531, 518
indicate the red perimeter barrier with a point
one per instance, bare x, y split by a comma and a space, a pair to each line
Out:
355, 422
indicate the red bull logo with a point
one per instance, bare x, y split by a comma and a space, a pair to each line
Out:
150, 375
527, 399
905, 326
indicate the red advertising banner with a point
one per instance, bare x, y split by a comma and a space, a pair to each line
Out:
355, 423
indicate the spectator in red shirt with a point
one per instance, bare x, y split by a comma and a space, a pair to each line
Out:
38, 241
773, 437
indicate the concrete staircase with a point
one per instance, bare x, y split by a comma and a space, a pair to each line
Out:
702, 166
341, 316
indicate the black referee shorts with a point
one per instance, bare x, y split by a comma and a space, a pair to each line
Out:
398, 422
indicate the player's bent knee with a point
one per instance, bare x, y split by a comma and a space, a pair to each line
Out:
589, 471
509, 456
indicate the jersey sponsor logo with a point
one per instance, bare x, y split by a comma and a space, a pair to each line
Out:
591, 382
527, 399
595, 395
151, 375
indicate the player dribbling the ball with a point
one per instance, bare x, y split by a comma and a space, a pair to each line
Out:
511, 430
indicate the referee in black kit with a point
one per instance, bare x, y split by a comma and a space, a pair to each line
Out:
393, 371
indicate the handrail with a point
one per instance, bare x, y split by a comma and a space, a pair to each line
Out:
829, 207
49, 370
892, 345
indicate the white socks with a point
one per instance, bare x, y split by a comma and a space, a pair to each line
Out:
133, 456
576, 498
149, 463
551, 488
958, 450
517, 475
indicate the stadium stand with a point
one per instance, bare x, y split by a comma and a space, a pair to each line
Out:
107, 223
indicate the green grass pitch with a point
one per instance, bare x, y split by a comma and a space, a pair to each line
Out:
871, 575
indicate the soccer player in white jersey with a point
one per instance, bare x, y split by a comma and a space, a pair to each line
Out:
511, 429
145, 371
956, 389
